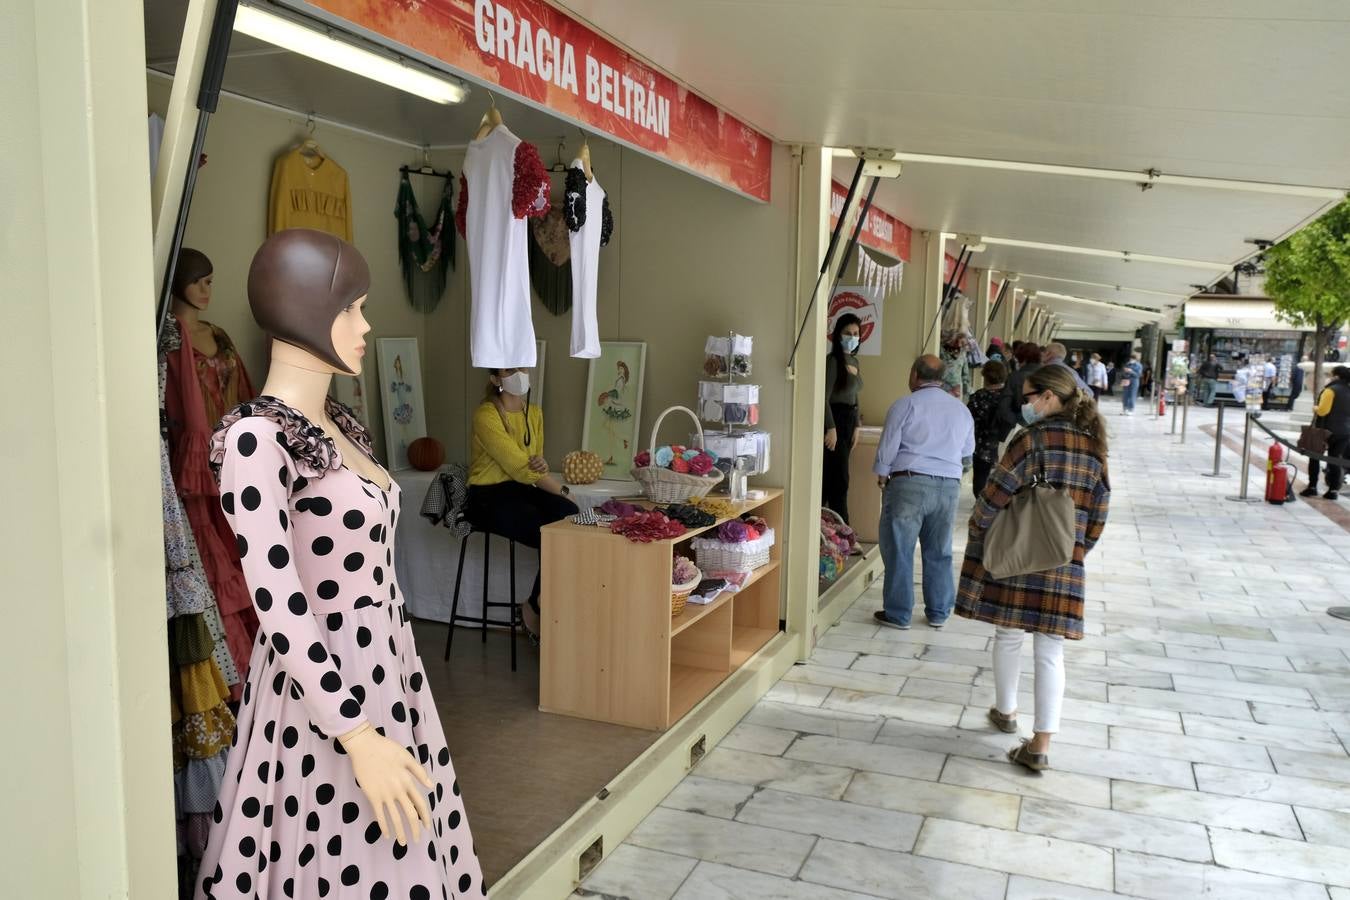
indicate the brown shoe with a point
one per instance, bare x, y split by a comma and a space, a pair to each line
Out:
1022, 755
1006, 724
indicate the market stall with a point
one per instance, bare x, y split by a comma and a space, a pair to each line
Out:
1237, 329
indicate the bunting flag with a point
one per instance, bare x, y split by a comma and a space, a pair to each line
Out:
885, 280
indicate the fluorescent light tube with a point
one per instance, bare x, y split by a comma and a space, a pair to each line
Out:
1112, 254
1147, 177
1115, 287
291, 35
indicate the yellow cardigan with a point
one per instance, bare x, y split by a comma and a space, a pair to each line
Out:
499, 454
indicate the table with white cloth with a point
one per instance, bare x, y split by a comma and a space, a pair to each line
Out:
426, 556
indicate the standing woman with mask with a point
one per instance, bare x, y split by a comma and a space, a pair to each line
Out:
1064, 443
843, 383
511, 492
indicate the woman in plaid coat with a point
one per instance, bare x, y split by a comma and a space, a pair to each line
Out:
1049, 604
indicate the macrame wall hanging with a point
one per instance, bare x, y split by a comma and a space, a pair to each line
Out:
883, 279
425, 255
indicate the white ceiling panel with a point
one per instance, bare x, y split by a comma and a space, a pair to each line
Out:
1228, 88
1112, 215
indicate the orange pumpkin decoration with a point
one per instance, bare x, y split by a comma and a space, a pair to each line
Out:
426, 454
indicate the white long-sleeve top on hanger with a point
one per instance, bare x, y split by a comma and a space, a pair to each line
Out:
503, 183
590, 223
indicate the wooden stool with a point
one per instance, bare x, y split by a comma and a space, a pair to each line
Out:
512, 605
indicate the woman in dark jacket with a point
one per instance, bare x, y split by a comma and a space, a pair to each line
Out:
1332, 412
1071, 436
843, 382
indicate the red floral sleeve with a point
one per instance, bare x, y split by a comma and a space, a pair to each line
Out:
529, 193
462, 208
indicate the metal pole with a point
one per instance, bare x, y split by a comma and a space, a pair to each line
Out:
1176, 402
1218, 446
1185, 409
1245, 464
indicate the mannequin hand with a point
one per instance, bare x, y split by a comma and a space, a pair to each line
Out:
831, 438
389, 776
538, 464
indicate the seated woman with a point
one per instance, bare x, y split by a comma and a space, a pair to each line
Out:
511, 492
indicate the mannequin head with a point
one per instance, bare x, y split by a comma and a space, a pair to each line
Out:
192, 277
306, 288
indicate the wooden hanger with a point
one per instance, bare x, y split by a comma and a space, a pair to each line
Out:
491, 119
585, 156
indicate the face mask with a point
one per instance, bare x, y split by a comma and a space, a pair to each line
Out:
1030, 414
850, 342
517, 385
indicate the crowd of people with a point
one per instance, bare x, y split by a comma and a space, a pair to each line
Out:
1034, 422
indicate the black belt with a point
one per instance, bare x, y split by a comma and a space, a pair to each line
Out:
909, 473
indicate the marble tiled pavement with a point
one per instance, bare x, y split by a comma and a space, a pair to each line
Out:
1203, 753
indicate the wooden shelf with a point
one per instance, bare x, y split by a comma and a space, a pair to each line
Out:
688, 685
746, 641
695, 611
567, 526
611, 650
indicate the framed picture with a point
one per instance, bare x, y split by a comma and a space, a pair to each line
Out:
537, 373
401, 390
351, 390
614, 405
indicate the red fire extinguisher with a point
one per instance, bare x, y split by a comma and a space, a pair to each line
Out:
1279, 475
1162, 403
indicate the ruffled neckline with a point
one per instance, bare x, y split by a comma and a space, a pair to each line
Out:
314, 452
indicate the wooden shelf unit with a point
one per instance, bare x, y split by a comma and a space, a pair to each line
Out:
612, 652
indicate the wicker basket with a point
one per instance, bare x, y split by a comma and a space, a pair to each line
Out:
664, 486
679, 595
716, 556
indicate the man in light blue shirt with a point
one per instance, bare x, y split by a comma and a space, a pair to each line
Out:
928, 438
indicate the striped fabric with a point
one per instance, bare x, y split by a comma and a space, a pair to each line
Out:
1048, 602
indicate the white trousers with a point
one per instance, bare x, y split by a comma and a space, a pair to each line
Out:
1049, 669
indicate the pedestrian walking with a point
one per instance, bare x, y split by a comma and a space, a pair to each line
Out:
1209, 379
989, 428
1332, 413
1131, 377
927, 438
1071, 437
1097, 376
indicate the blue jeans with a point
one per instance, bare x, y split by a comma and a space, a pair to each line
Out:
918, 509
1130, 395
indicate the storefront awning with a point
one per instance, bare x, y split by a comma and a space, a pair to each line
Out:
1235, 313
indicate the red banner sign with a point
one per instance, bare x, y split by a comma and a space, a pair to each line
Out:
551, 60
882, 231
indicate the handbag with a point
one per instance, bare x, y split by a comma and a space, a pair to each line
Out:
1312, 439
1037, 530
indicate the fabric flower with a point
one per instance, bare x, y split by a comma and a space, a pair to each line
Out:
701, 464
691, 453
683, 571
663, 457
677, 449
732, 532
751, 533
642, 460
711, 455
679, 464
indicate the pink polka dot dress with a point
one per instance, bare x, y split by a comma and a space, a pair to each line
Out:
334, 650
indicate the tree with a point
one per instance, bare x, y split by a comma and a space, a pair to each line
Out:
1308, 277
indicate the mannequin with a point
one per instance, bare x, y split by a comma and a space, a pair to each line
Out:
339, 745
205, 376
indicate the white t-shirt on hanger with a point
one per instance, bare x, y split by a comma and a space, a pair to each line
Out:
503, 183
589, 224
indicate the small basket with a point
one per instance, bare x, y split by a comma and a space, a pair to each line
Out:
679, 595
716, 556
664, 486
